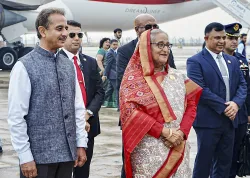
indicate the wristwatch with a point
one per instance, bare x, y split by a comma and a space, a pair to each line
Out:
90, 112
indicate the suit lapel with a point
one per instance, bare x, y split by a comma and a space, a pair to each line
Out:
63, 53
209, 58
85, 71
83, 67
115, 54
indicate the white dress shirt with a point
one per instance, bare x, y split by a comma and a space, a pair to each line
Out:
70, 56
18, 99
214, 55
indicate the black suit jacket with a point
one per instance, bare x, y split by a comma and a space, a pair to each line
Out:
110, 69
94, 90
124, 53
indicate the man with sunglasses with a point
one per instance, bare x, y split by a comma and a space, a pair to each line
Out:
91, 87
142, 23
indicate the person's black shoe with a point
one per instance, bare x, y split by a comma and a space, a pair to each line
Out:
1, 150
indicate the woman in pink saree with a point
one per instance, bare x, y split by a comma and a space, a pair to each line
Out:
158, 107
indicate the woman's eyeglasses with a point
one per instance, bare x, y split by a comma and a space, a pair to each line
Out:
72, 35
163, 45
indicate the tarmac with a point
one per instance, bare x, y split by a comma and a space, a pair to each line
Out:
106, 162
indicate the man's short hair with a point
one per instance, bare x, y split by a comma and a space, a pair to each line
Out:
117, 30
74, 23
113, 41
243, 35
43, 18
214, 26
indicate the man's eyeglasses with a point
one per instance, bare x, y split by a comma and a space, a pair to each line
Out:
72, 35
149, 26
162, 45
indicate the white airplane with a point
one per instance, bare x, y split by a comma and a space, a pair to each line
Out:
17, 17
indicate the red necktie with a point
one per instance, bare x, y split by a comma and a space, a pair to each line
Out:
80, 80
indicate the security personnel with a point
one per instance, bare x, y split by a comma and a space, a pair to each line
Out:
242, 44
232, 35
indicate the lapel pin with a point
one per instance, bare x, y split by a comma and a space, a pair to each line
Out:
229, 62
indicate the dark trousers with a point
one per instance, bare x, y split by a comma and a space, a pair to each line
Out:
239, 135
83, 172
110, 89
55, 170
215, 150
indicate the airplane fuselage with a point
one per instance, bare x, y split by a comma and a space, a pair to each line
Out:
17, 17
105, 16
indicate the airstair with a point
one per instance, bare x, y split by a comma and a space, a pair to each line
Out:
239, 9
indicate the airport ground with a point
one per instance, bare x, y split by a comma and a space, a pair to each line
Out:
106, 162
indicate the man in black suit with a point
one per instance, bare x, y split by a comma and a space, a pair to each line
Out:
91, 87
142, 23
110, 69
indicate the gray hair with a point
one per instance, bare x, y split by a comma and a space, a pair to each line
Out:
43, 18
155, 32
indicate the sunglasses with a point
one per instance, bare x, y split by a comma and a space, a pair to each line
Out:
149, 26
72, 35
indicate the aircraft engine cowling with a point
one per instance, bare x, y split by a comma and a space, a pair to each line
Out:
8, 18
1, 17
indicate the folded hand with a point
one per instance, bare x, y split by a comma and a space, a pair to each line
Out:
175, 139
29, 169
87, 127
231, 110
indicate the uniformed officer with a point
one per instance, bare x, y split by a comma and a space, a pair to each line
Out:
232, 35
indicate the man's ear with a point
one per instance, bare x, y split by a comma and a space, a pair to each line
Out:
42, 31
206, 37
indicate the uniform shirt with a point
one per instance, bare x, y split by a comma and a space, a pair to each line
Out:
18, 100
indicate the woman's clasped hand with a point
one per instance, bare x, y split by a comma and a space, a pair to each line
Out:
172, 137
